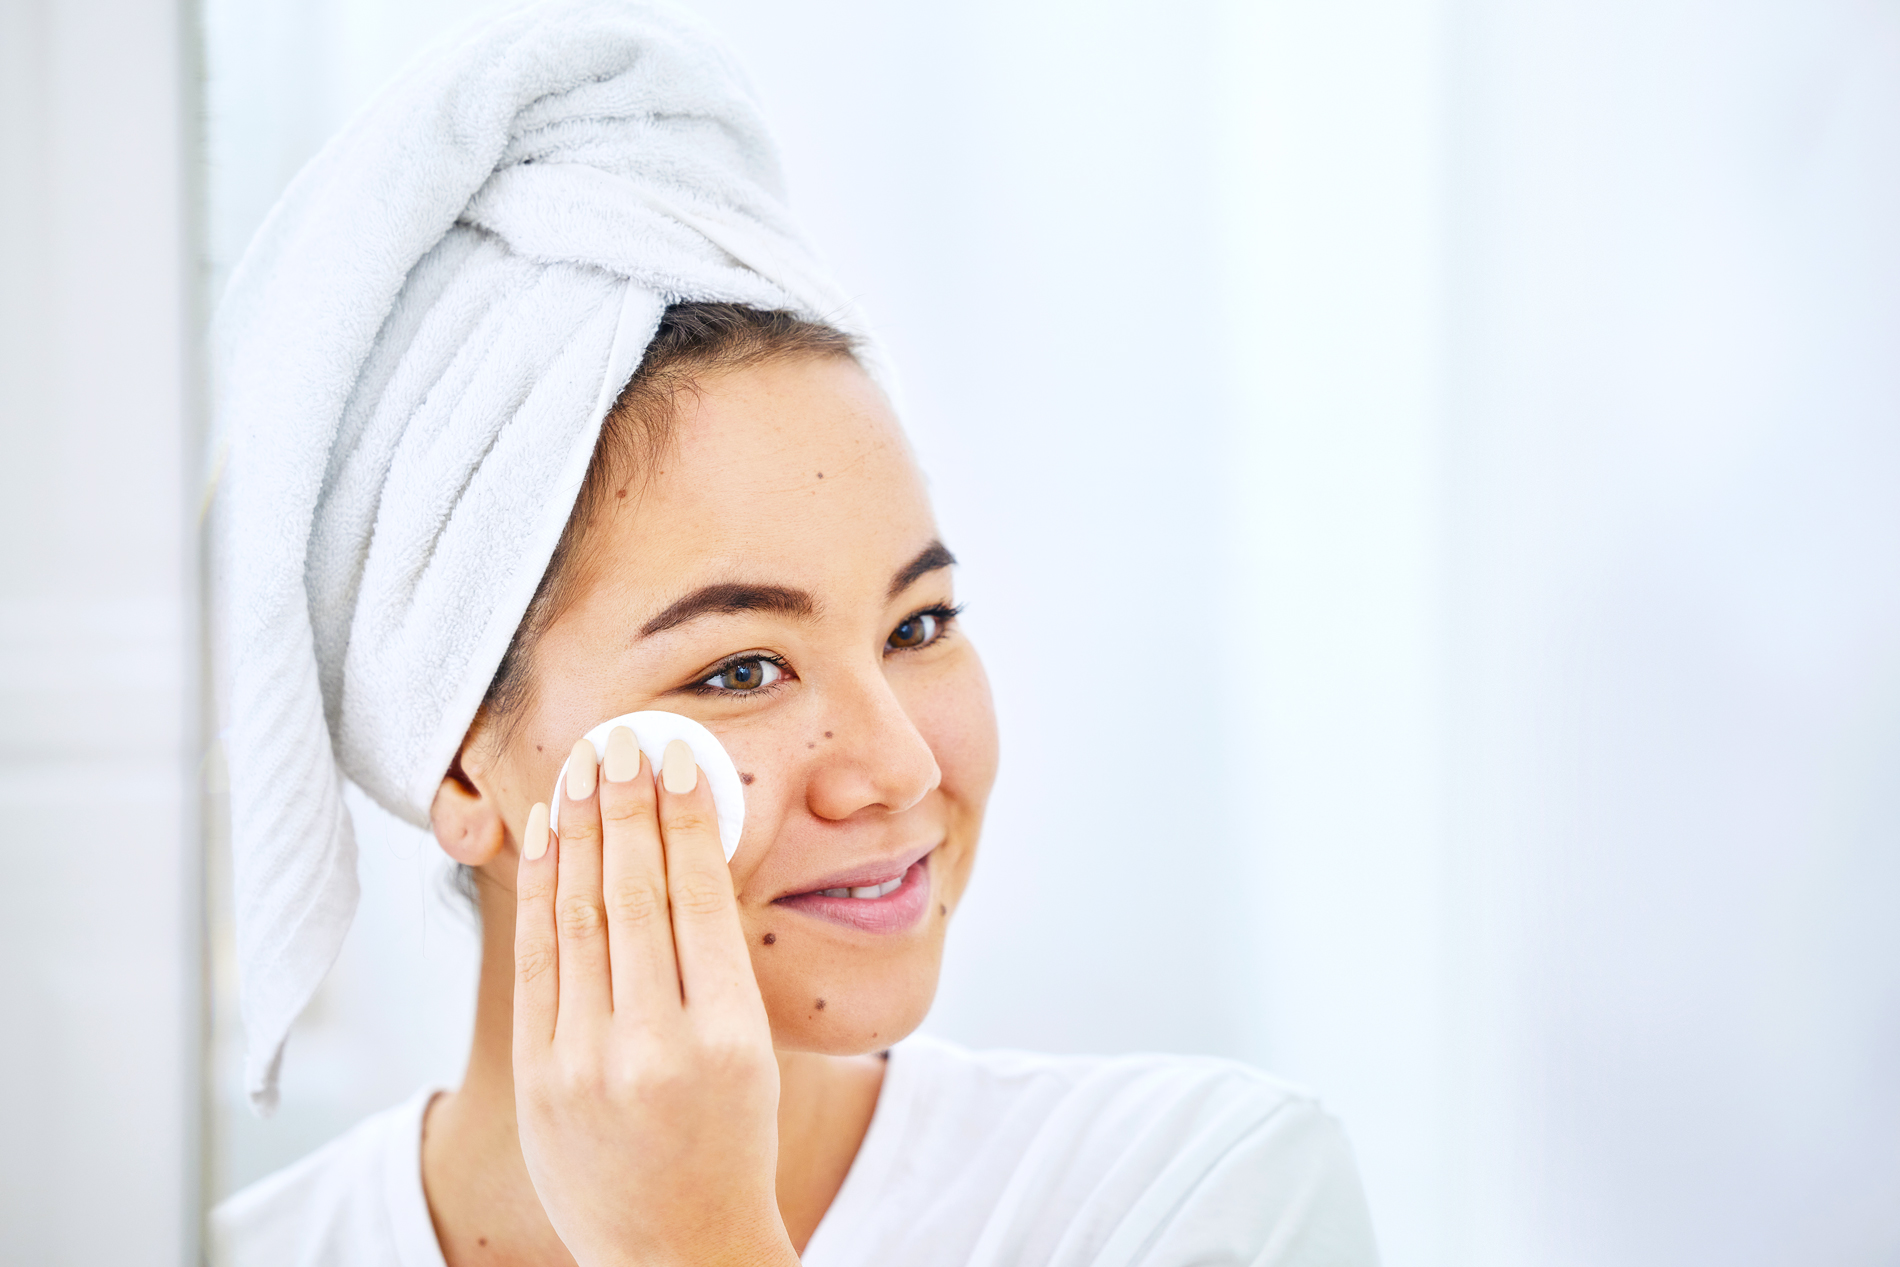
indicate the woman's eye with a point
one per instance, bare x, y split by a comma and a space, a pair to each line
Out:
741, 676
915, 631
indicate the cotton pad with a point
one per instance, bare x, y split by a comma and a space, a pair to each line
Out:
654, 730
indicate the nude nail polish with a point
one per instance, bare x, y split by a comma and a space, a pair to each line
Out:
534, 840
679, 771
623, 755
583, 769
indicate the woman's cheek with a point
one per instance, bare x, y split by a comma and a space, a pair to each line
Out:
952, 710
771, 775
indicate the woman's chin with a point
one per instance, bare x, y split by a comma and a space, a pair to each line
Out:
850, 1013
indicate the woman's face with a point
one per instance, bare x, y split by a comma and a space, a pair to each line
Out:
778, 577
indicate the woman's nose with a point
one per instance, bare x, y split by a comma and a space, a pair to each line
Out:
873, 755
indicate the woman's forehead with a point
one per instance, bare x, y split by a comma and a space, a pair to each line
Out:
784, 421
791, 472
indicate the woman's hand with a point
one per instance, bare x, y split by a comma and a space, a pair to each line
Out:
645, 1082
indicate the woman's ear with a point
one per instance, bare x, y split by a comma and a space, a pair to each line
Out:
466, 822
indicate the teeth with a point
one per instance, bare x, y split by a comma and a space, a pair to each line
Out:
866, 892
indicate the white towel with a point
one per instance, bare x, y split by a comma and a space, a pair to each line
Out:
414, 358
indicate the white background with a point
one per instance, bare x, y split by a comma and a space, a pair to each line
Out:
99, 862
1465, 434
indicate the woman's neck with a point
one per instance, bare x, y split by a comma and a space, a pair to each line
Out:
480, 1198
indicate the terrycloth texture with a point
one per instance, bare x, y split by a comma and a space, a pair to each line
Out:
414, 360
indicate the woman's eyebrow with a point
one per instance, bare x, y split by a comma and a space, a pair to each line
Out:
932, 557
731, 597
716, 600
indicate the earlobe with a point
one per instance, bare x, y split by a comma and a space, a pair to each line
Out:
464, 819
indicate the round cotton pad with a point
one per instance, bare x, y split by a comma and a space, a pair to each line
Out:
655, 730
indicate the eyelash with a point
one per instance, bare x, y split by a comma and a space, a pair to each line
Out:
945, 615
730, 663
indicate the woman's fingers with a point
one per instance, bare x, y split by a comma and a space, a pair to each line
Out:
580, 917
650, 1134
537, 952
715, 968
646, 982
632, 910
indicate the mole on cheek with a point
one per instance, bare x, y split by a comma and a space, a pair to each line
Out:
813, 744
942, 909
820, 1005
744, 777
770, 938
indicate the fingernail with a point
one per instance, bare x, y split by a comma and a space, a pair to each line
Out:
680, 772
534, 841
583, 767
623, 756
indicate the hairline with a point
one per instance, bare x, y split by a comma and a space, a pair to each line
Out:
648, 405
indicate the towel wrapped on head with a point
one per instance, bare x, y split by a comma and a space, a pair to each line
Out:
413, 362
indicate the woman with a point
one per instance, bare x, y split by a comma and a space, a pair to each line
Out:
541, 415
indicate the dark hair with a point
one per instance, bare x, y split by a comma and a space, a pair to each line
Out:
693, 340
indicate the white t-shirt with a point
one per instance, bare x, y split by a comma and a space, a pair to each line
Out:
992, 1159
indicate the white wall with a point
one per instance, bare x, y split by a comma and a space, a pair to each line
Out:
1470, 426
1331, 150
1674, 455
98, 994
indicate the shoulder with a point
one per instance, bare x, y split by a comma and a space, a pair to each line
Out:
357, 1200
1164, 1087
1115, 1160
1151, 1109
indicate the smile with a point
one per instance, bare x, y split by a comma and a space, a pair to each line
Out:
867, 892
889, 905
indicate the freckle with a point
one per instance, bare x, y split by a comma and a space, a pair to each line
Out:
744, 777
621, 493
811, 745
820, 1005
482, 1241
770, 938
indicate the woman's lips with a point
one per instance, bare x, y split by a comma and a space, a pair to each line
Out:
893, 912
